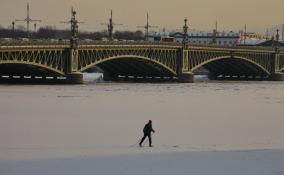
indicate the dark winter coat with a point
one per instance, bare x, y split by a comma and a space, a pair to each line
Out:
148, 129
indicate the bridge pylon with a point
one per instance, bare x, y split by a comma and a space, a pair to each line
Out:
276, 74
72, 73
184, 73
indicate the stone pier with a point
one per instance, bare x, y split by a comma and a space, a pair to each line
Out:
186, 77
278, 76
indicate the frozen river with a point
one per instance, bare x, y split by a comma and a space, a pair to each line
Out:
43, 122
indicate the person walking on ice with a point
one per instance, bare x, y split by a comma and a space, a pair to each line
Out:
147, 133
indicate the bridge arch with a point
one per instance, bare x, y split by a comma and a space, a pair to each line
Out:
133, 64
233, 65
28, 67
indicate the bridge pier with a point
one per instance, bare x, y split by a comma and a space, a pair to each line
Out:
278, 76
74, 78
186, 77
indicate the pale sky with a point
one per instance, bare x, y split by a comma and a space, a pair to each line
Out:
202, 14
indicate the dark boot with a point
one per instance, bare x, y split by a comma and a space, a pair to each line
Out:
150, 140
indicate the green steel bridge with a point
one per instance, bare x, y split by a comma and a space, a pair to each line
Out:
61, 63
65, 62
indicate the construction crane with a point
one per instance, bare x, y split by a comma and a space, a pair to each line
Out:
110, 26
147, 27
74, 28
28, 20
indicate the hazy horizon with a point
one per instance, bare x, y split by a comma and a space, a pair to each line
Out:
202, 14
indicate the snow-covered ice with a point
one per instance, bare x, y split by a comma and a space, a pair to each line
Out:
257, 162
216, 128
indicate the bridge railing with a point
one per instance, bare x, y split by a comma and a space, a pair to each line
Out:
171, 44
82, 42
65, 44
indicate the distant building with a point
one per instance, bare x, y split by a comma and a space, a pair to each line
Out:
203, 38
261, 42
159, 38
270, 43
256, 36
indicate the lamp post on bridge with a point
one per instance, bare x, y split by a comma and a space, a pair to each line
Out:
215, 33
13, 29
74, 29
185, 34
276, 45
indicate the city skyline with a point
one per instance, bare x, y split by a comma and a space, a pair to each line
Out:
231, 15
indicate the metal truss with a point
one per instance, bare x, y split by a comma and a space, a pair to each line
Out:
165, 57
52, 59
279, 65
198, 57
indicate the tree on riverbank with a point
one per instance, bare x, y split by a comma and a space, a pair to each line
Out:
49, 32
